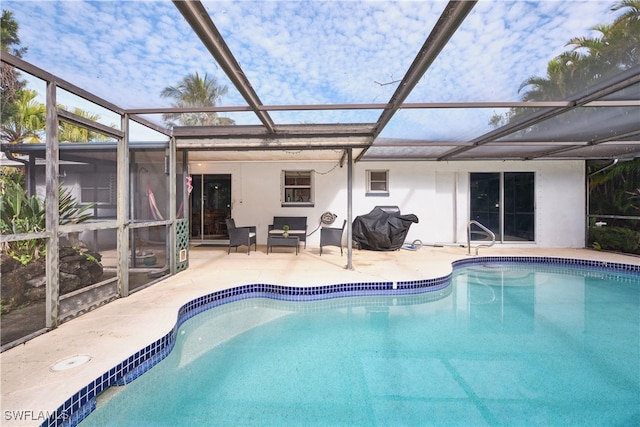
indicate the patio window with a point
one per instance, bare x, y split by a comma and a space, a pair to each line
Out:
378, 183
297, 188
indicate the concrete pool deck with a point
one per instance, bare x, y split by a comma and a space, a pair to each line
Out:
110, 334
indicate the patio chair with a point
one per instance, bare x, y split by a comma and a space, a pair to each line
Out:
331, 236
239, 236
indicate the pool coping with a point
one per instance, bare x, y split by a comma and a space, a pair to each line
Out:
83, 402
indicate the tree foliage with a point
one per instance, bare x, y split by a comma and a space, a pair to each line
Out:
196, 91
615, 190
21, 214
613, 49
27, 121
9, 39
9, 77
71, 133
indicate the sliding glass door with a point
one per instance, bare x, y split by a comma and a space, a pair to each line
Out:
210, 207
504, 202
485, 202
519, 206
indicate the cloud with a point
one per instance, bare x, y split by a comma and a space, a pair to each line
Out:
312, 52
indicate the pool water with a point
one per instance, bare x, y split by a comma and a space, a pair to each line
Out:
502, 345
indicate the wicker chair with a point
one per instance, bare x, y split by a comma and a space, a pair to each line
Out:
331, 236
239, 236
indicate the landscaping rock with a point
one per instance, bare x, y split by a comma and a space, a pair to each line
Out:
25, 284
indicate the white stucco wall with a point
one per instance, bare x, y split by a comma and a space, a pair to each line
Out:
437, 192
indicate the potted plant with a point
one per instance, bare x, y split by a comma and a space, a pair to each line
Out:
285, 231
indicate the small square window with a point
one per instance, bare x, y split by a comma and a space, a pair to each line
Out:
297, 188
377, 183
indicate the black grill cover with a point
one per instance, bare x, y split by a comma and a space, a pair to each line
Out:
382, 230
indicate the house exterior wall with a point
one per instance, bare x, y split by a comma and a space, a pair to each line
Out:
437, 192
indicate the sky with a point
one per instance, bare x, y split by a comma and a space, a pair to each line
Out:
307, 52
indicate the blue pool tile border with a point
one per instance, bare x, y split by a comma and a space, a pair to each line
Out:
82, 403
561, 262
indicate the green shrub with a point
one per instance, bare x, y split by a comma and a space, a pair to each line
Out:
21, 213
70, 211
617, 239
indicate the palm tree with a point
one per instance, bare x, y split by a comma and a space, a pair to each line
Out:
70, 133
614, 49
28, 120
9, 76
567, 73
196, 91
629, 28
590, 59
9, 39
560, 70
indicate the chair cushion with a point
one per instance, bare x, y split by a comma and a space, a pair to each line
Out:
290, 231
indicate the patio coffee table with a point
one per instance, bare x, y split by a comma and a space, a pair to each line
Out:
283, 241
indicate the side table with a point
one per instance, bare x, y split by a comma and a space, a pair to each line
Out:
291, 241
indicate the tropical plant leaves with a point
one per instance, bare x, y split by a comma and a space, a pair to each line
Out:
21, 214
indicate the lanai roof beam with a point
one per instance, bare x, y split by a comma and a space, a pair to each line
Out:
454, 13
618, 82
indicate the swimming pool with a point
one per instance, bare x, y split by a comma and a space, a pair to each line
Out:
504, 343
